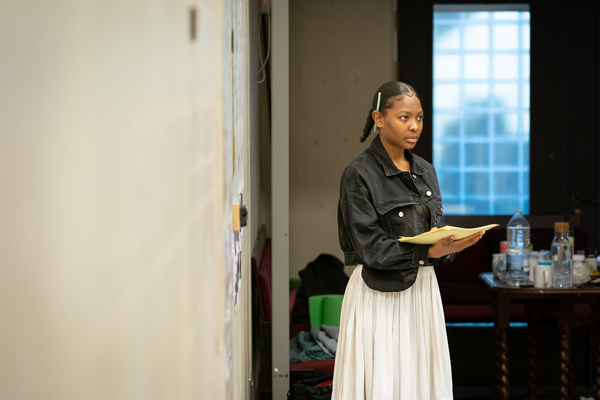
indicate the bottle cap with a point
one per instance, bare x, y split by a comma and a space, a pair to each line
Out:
561, 227
578, 257
518, 210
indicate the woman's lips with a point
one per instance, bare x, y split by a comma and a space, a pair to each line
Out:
412, 139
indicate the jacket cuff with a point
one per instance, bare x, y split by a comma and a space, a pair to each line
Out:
421, 259
441, 260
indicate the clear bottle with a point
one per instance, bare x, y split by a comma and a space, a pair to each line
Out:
562, 254
591, 258
517, 255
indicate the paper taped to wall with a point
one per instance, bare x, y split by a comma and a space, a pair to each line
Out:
432, 237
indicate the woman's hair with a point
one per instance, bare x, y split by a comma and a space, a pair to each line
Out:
390, 92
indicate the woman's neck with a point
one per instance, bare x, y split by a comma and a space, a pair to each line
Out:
398, 157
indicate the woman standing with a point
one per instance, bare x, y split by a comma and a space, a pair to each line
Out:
392, 343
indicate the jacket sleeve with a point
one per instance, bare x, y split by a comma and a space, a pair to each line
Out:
442, 260
371, 242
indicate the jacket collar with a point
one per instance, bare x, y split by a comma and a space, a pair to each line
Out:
388, 165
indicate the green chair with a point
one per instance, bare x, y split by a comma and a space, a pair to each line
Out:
325, 309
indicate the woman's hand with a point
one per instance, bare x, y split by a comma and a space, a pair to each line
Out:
448, 245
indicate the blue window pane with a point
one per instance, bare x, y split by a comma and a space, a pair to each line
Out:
446, 67
446, 125
446, 154
506, 66
477, 154
525, 67
525, 206
506, 37
446, 37
477, 95
477, 183
478, 207
452, 207
479, 15
446, 96
526, 183
507, 206
525, 90
477, 66
506, 154
506, 183
526, 159
525, 126
446, 16
506, 125
525, 40
506, 95
477, 37
477, 125
505, 15
449, 183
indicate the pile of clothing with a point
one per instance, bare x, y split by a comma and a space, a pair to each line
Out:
318, 344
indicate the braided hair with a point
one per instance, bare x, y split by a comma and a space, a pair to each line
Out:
390, 92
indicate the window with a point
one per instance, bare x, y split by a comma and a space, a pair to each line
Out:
481, 108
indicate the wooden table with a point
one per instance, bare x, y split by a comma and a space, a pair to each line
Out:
538, 302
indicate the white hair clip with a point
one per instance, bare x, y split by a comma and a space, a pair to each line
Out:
378, 103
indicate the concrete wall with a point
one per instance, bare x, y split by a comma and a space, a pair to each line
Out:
340, 53
115, 199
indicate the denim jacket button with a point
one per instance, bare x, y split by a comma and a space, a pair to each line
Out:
421, 262
428, 193
401, 214
414, 176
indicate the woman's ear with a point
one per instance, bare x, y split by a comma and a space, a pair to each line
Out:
378, 118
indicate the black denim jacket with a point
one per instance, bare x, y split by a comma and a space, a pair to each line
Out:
378, 203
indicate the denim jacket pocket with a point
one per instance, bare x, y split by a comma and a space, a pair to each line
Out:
399, 218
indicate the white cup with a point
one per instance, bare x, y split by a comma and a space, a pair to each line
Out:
499, 265
542, 276
533, 262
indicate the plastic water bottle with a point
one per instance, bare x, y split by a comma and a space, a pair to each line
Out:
562, 254
517, 255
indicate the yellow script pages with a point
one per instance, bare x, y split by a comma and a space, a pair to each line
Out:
432, 237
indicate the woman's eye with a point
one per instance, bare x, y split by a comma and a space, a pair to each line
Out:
404, 117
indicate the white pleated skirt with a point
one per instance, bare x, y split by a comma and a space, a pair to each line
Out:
392, 345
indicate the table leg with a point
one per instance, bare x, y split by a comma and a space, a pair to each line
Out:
564, 367
501, 311
564, 325
573, 392
501, 364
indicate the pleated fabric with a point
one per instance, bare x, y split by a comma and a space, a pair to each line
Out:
392, 345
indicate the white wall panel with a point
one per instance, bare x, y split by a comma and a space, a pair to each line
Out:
114, 201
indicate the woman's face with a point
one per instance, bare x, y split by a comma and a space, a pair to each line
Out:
402, 125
